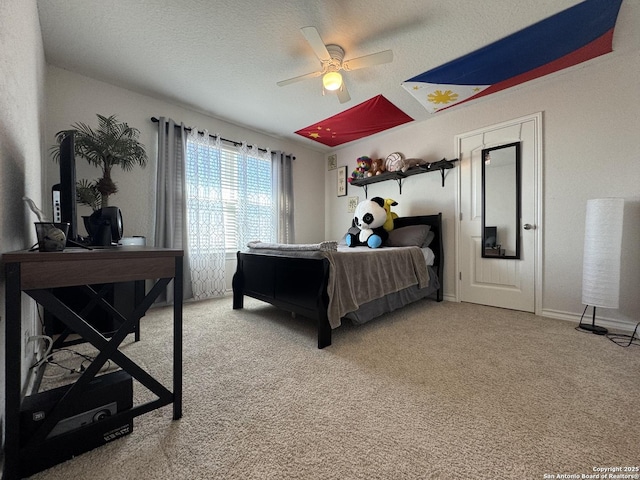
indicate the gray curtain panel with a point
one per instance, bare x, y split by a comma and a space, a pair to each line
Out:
283, 176
170, 219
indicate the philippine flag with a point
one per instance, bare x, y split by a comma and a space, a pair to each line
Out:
568, 38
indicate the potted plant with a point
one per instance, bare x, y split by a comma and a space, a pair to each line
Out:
112, 144
87, 193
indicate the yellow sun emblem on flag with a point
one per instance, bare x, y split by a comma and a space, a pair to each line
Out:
445, 97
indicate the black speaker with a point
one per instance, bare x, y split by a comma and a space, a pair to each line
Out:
89, 422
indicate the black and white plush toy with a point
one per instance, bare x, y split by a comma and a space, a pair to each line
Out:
368, 219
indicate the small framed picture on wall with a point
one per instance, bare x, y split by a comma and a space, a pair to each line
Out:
332, 162
352, 204
342, 181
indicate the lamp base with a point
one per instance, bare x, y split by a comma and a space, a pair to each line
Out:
593, 328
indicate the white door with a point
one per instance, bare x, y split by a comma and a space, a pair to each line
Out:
500, 282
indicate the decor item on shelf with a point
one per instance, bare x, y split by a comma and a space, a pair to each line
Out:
377, 167
363, 166
601, 260
408, 163
440, 166
394, 162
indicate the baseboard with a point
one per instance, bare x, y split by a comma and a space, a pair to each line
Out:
609, 323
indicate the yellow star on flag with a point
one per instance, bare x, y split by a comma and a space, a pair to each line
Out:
435, 97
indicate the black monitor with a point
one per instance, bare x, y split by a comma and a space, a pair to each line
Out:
64, 202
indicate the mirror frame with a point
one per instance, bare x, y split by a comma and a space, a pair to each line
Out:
518, 201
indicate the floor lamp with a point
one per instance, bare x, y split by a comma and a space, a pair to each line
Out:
601, 261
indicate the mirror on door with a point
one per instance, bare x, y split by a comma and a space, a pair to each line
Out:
501, 201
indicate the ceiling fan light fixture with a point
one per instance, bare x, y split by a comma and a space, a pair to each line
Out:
332, 81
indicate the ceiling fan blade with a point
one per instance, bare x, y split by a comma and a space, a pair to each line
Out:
282, 83
368, 60
343, 94
316, 43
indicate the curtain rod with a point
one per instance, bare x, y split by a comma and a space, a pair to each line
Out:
155, 120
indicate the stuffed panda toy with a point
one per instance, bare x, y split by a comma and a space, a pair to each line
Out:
368, 219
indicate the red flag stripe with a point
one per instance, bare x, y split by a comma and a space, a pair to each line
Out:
373, 116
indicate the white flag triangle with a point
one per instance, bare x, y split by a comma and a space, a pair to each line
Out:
435, 97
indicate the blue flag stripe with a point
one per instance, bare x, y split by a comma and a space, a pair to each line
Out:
530, 48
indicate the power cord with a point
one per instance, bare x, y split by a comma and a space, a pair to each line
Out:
46, 353
625, 340
87, 359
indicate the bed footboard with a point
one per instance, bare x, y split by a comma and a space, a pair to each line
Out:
297, 285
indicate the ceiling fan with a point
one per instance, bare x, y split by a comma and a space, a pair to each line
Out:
332, 61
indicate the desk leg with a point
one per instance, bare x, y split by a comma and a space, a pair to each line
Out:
12, 359
177, 340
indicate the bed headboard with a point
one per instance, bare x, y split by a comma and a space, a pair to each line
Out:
435, 222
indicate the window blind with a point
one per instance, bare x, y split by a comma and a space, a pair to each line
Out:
242, 184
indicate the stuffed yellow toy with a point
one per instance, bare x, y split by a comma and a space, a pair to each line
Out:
388, 224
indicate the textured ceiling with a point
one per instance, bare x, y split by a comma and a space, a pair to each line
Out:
224, 58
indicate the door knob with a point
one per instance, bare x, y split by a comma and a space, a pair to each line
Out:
528, 226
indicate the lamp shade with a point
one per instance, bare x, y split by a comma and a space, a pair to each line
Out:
332, 80
602, 251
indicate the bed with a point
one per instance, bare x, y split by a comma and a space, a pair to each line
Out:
328, 282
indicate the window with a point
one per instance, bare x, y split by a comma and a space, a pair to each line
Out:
230, 196
248, 198
230, 201
214, 199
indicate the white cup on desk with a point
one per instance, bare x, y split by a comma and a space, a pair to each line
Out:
135, 241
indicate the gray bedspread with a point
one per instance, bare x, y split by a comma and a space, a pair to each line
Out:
357, 275
361, 274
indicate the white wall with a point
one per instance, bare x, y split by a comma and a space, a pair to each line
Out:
590, 133
22, 69
75, 98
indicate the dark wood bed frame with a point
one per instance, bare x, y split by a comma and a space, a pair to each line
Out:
299, 285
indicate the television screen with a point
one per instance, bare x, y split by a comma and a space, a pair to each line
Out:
67, 188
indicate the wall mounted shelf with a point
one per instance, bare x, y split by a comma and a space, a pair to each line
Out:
399, 177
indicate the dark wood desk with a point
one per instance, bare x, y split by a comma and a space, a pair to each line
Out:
34, 273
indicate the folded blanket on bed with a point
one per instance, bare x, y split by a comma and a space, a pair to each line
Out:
296, 247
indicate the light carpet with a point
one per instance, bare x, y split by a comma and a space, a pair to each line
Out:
432, 391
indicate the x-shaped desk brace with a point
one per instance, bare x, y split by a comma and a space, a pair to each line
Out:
108, 350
